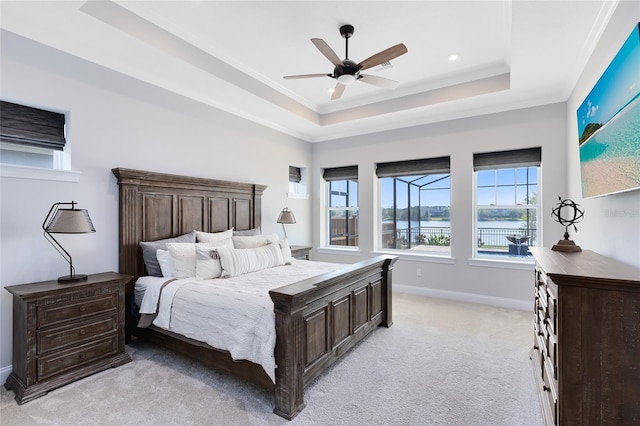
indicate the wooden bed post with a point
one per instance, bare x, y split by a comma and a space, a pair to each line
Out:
387, 319
289, 392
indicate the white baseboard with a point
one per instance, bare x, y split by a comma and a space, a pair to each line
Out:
501, 302
4, 373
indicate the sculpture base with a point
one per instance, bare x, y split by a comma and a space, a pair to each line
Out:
567, 246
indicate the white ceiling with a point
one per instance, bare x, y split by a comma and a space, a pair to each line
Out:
233, 54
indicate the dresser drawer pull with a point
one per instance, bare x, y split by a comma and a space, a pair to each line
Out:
546, 388
83, 332
83, 308
82, 355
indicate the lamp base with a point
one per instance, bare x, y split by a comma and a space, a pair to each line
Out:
72, 278
567, 246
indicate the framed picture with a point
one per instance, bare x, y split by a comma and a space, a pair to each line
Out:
609, 125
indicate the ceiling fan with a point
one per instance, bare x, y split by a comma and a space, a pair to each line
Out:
347, 71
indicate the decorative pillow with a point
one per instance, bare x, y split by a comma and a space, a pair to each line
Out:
286, 251
166, 263
207, 263
184, 256
243, 261
212, 237
149, 249
246, 242
247, 233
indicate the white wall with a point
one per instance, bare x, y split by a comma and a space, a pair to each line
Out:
611, 224
115, 121
460, 139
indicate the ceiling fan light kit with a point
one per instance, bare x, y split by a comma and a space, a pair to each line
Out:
347, 71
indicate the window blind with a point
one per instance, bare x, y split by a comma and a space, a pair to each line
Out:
294, 174
29, 126
341, 173
529, 157
424, 166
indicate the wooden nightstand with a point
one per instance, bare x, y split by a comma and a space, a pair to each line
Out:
300, 252
63, 332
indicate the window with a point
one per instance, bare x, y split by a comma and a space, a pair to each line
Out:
342, 183
415, 199
507, 203
31, 136
297, 182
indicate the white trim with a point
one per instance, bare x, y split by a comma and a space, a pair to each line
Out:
501, 302
25, 172
297, 195
341, 250
524, 265
4, 373
422, 257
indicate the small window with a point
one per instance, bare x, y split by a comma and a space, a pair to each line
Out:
297, 182
31, 137
342, 186
507, 203
415, 197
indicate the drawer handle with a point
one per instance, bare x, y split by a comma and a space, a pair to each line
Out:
82, 355
83, 308
535, 347
540, 333
83, 332
546, 388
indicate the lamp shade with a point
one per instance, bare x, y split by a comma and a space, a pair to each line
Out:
70, 221
286, 216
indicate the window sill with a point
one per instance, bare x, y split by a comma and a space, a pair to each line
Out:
347, 251
25, 172
296, 195
524, 265
422, 257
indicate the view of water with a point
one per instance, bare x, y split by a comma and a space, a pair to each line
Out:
619, 138
501, 224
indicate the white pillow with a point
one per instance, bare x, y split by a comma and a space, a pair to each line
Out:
184, 256
242, 261
207, 263
166, 263
246, 242
212, 237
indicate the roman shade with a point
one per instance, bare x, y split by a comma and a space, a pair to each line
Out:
529, 157
29, 126
426, 166
341, 173
295, 174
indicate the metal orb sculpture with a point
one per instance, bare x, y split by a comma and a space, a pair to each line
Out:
567, 213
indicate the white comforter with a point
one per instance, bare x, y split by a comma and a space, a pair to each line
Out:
233, 314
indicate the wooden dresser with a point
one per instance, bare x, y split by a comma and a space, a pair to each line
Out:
586, 346
65, 331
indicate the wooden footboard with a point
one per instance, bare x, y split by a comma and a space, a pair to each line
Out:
321, 318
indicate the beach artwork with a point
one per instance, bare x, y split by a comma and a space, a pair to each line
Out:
609, 125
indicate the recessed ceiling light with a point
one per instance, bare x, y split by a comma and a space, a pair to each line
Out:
454, 57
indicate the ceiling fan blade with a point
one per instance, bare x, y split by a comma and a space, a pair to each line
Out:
379, 81
337, 91
384, 56
306, 76
327, 51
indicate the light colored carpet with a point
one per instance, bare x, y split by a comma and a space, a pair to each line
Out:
441, 363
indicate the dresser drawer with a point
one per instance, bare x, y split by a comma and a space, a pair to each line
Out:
80, 308
59, 362
77, 333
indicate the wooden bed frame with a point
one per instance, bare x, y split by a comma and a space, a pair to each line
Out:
317, 320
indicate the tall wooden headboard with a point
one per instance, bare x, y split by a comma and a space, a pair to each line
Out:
154, 206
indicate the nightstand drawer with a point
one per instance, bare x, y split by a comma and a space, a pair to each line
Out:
76, 334
81, 308
59, 362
